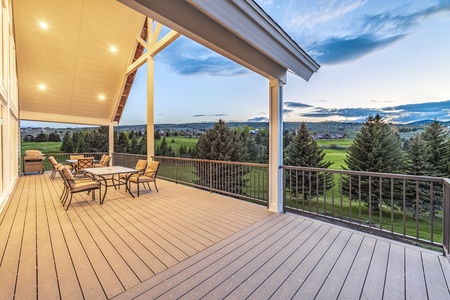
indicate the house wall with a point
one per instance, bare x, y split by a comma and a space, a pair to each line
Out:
9, 105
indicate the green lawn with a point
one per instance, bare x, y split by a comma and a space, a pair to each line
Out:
178, 142
45, 147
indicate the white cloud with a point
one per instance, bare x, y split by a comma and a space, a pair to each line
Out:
308, 14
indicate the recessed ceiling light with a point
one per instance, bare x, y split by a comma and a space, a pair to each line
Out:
101, 97
43, 25
113, 49
42, 87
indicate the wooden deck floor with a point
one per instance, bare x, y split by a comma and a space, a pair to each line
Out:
190, 244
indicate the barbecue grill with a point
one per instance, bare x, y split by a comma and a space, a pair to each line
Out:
33, 161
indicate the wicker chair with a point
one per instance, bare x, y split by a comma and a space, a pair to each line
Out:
149, 175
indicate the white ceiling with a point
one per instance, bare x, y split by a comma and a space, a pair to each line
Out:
72, 58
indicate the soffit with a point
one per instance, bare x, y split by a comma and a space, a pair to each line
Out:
237, 29
72, 57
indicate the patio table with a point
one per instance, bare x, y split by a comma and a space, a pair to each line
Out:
106, 176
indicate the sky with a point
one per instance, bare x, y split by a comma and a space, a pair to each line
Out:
376, 56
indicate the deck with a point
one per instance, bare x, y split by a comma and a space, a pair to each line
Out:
187, 243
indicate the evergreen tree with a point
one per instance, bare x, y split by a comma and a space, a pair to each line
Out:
418, 164
66, 145
54, 137
81, 144
143, 144
131, 135
164, 149
435, 136
221, 143
41, 137
122, 143
157, 135
303, 151
376, 148
134, 146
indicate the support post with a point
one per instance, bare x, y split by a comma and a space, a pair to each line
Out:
275, 145
111, 140
150, 107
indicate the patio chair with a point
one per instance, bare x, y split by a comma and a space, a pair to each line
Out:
104, 161
73, 186
84, 163
140, 166
76, 156
149, 175
55, 167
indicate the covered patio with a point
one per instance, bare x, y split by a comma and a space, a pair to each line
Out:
187, 243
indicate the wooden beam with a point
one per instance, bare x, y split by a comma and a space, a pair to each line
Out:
142, 42
163, 42
137, 63
155, 34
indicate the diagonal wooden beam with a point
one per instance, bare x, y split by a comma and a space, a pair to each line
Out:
163, 42
137, 63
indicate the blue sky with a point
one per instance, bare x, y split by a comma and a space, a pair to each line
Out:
376, 56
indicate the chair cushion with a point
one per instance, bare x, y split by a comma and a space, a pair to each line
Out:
135, 179
85, 185
151, 169
69, 177
141, 164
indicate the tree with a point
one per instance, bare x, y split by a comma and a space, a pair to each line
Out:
303, 151
66, 145
164, 149
376, 148
41, 137
419, 164
122, 143
134, 146
143, 143
157, 135
435, 137
221, 143
54, 137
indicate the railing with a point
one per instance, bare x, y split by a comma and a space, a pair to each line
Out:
446, 222
400, 206
126, 160
238, 179
61, 158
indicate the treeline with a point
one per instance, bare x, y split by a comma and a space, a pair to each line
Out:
43, 137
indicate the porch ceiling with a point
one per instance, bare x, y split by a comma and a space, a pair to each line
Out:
72, 57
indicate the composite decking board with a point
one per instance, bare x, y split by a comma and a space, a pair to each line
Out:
375, 280
256, 279
207, 256
177, 286
68, 283
415, 279
280, 274
394, 287
47, 281
152, 238
255, 264
354, 282
115, 253
435, 281
178, 232
215, 276
315, 279
445, 266
60, 248
87, 277
106, 274
11, 262
305, 265
332, 285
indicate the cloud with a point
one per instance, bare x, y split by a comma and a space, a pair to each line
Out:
370, 33
309, 14
209, 115
258, 119
338, 50
296, 104
397, 114
188, 58
287, 111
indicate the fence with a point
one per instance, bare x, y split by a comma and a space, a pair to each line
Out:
402, 206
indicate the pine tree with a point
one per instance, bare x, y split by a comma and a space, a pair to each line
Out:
134, 146
435, 136
303, 151
143, 144
66, 147
376, 148
122, 143
41, 137
418, 164
221, 143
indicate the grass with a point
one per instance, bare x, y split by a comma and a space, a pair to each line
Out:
44, 147
178, 142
